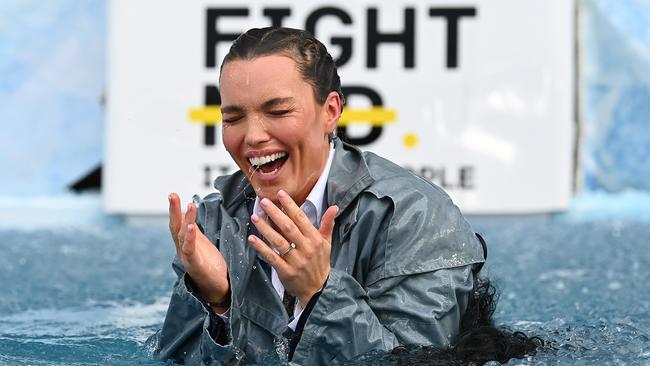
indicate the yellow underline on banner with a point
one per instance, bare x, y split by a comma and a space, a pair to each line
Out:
210, 115
376, 116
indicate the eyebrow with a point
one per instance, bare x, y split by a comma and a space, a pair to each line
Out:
231, 109
276, 101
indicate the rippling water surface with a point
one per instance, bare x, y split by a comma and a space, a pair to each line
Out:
92, 296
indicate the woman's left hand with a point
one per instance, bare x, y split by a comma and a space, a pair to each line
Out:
299, 252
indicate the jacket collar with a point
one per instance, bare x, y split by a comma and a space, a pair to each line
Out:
349, 175
235, 189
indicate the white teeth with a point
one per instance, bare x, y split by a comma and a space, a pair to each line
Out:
261, 160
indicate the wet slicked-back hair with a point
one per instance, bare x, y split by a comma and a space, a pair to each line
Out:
313, 61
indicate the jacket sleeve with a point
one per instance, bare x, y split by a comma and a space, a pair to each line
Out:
413, 290
185, 336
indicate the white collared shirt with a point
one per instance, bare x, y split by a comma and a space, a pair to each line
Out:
313, 209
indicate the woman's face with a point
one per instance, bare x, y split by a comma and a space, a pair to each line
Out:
273, 127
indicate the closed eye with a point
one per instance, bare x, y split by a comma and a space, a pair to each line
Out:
231, 119
279, 112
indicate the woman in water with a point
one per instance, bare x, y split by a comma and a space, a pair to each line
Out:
335, 251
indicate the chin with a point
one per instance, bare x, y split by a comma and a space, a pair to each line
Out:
269, 192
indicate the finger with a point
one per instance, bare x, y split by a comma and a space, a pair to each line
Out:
327, 222
190, 214
188, 218
189, 244
268, 254
285, 225
275, 239
175, 216
296, 214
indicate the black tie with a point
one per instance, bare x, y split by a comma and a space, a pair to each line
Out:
289, 302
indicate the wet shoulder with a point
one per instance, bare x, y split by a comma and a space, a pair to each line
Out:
426, 231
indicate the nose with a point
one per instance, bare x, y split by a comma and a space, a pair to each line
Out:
256, 132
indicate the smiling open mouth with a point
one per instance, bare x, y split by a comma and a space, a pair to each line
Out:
269, 164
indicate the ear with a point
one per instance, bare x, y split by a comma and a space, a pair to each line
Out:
332, 111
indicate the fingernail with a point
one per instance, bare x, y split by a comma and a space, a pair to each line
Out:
282, 194
169, 197
190, 228
255, 218
189, 206
265, 202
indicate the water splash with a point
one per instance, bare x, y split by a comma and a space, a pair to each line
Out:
281, 348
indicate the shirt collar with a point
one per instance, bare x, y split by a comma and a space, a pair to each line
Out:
314, 204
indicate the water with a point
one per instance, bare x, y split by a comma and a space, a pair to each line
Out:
581, 286
86, 296
92, 295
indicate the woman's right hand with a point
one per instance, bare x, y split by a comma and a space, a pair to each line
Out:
202, 260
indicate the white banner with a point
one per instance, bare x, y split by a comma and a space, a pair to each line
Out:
477, 97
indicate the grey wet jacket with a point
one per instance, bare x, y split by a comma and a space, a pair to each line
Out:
401, 271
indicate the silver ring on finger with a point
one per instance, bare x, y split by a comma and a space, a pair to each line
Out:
291, 247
